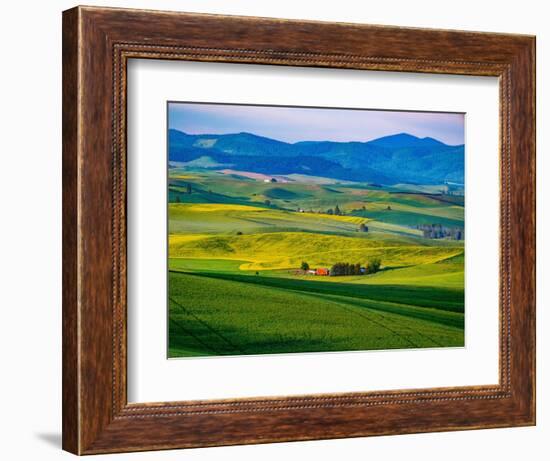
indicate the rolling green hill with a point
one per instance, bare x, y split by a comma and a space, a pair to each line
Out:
217, 316
362, 200
286, 250
237, 241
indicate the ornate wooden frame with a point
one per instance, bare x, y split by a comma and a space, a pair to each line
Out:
97, 43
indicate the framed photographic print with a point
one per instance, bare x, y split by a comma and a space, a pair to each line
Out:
281, 230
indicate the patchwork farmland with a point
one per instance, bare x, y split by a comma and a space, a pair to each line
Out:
250, 257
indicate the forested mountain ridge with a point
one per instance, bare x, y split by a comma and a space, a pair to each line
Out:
388, 160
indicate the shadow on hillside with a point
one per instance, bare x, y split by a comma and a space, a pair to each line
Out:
447, 299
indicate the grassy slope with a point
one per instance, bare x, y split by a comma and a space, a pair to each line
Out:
219, 218
282, 250
234, 317
447, 273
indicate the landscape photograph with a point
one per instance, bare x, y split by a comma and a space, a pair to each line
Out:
313, 229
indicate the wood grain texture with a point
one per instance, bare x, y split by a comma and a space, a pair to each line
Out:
97, 43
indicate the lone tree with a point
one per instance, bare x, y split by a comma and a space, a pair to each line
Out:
363, 227
389, 208
337, 211
373, 266
178, 199
268, 202
304, 266
189, 190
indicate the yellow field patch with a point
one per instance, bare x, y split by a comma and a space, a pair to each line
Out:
178, 208
348, 219
179, 239
283, 250
212, 207
183, 176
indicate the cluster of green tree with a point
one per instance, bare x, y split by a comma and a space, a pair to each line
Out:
373, 266
336, 211
344, 268
438, 231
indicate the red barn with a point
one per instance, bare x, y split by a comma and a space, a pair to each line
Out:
322, 271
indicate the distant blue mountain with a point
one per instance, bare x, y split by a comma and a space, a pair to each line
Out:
404, 140
387, 160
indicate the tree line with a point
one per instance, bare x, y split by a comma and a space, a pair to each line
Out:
438, 231
346, 268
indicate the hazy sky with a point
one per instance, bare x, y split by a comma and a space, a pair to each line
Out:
293, 124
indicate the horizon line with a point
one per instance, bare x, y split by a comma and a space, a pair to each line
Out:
319, 141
